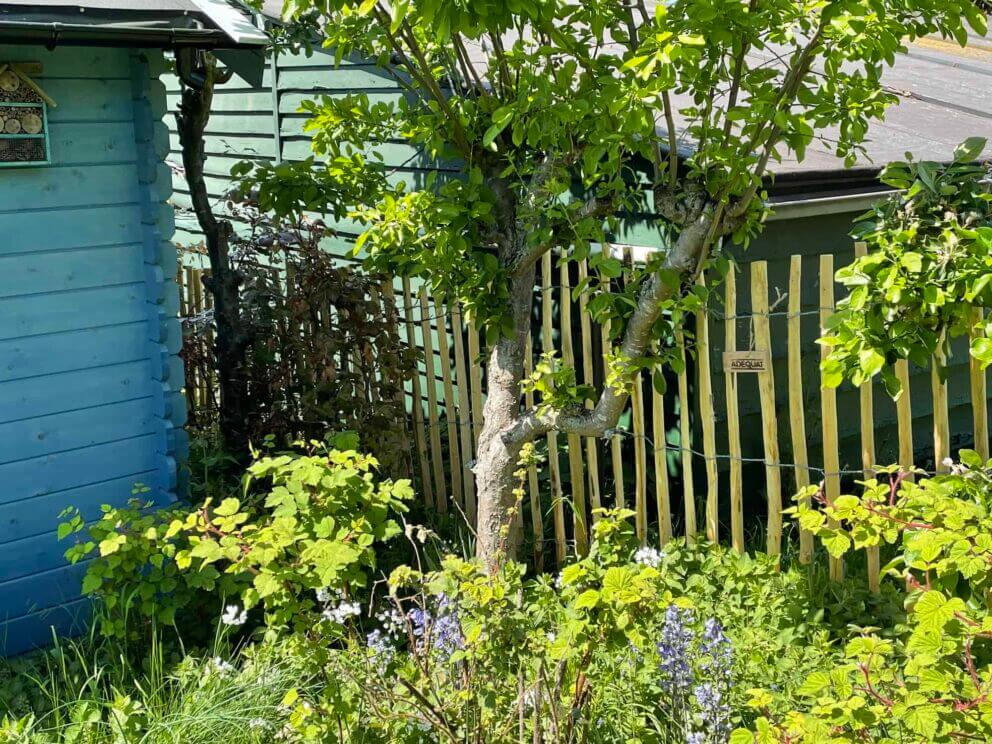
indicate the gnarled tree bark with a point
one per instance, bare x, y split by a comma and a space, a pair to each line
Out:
224, 282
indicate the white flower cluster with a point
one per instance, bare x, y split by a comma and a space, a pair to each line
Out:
220, 667
648, 556
234, 615
337, 609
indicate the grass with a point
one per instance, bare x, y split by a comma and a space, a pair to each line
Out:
89, 691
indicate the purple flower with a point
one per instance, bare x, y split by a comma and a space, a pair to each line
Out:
696, 737
441, 632
674, 650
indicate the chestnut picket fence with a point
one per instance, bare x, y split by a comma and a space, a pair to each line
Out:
663, 461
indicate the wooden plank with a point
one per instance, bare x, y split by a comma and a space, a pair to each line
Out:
92, 100
33, 396
616, 445
707, 413
450, 416
661, 489
67, 311
72, 63
65, 187
45, 435
28, 274
576, 471
979, 394
685, 443
433, 422
831, 452
588, 377
464, 412
904, 417
769, 414
941, 427
475, 377
640, 459
868, 450
63, 352
797, 403
534, 489
39, 514
92, 227
93, 142
557, 496
733, 415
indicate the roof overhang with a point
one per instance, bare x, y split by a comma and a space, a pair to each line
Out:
204, 24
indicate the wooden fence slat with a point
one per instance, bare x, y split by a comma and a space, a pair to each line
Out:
588, 377
904, 417
979, 395
706, 409
576, 471
554, 469
769, 415
419, 434
475, 375
685, 444
868, 450
797, 404
454, 458
733, 415
434, 425
640, 460
661, 488
534, 489
616, 445
464, 412
941, 427
831, 452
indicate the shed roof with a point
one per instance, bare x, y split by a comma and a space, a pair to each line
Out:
222, 24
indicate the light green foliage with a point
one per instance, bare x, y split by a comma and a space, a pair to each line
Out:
575, 658
555, 383
87, 692
549, 110
315, 525
929, 680
927, 270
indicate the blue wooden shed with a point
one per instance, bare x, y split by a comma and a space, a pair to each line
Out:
90, 381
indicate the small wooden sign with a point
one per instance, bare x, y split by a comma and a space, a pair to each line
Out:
746, 361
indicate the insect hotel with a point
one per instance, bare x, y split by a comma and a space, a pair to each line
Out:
90, 381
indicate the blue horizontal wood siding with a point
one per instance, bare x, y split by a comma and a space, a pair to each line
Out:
90, 385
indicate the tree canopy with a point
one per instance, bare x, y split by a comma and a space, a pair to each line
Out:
563, 116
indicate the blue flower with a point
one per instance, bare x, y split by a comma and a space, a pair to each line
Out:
674, 650
442, 632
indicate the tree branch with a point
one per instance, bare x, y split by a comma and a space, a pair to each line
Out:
594, 422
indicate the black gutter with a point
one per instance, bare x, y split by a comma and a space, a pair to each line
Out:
52, 35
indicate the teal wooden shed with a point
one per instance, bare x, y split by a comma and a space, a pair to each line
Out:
90, 381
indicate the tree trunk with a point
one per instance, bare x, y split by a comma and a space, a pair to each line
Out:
506, 429
224, 283
498, 533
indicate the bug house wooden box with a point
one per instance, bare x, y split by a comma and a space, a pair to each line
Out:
23, 118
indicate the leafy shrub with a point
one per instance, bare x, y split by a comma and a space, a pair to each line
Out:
314, 526
322, 342
928, 269
931, 679
616, 648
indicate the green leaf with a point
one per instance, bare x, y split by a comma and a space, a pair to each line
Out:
587, 600
228, 507
969, 150
266, 585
